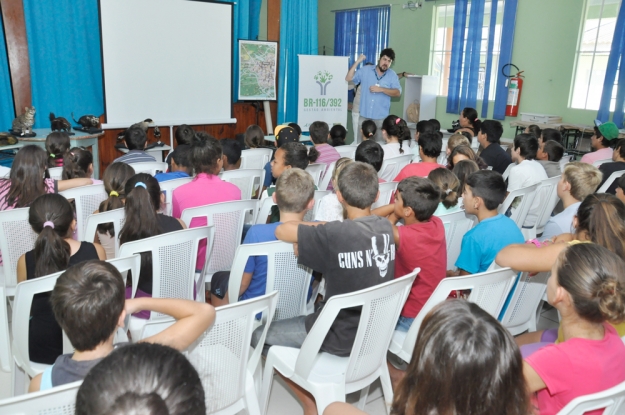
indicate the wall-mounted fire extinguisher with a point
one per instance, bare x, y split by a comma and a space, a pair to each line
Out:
515, 87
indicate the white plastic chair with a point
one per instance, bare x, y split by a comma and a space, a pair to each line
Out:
56, 401
255, 158
87, 200
547, 193
16, 238
329, 378
347, 151
222, 355
319, 194
115, 216
456, 225
5, 338
56, 173
393, 165
327, 177
316, 171
613, 400
264, 210
149, 167
168, 187
283, 275
386, 192
228, 219
488, 290
506, 172
521, 207
600, 162
248, 180
613, 177
521, 312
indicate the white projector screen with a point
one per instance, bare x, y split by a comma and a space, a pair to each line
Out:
168, 60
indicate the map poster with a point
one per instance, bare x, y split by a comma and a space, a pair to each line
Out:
322, 94
257, 70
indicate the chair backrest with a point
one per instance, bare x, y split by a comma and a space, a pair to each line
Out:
168, 187
325, 181
600, 162
547, 194
56, 173
255, 158
381, 306
16, 238
264, 210
518, 202
56, 401
5, 339
115, 216
248, 180
221, 355
347, 150
174, 256
606, 185
613, 400
506, 172
283, 275
393, 165
228, 219
87, 200
319, 194
386, 192
316, 171
456, 225
521, 312
149, 167
488, 290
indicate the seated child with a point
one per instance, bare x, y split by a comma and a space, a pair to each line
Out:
549, 155
184, 134
547, 134
372, 153
180, 165
603, 141
89, 304
319, 134
330, 209
489, 138
423, 126
231, 154
456, 140
484, 191
78, 163
394, 132
620, 189
295, 191
254, 137
462, 170
135, 139
618, 164
337, 135
57, 146
368, 129
284, 135
430, 146
460, 153
448, 184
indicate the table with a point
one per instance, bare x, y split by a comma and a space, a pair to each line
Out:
522, 125
79, 139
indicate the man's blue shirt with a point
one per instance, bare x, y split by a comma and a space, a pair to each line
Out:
375, 105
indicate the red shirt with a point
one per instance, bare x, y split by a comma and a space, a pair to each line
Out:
421, 169
421, 245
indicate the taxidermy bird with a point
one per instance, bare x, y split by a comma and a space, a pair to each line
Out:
144, 125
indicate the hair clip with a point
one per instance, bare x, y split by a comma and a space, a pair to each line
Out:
52, 155
448, 191
397, 120
48, 224
114, 193
72, 154
141, 184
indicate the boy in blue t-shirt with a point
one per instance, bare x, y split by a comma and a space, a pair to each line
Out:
180, 165
484, 191
294, 195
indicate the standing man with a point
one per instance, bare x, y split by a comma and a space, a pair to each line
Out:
377, 85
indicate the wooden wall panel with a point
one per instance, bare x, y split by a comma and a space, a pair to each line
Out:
17, 50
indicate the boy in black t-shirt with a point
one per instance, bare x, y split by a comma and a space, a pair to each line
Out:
352, 255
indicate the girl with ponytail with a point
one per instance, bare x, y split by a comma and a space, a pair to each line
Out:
469, 121
51, 216
394, 131
78, 163
143, 201
448, 184
57, 146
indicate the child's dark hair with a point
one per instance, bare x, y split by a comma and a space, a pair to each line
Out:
604, 141
619, 148
76, 163
431, 144
371, 153
396, 127
462, 170
528, 144
535, 131
554, 150
143, 200
493, 130
471, 115
425, 126
115, 177
206, 152
296, 127
436, 123
51, 217
57, 146
25, 182
358, 184
448, 184
182, 158
338, 134
489, 185
232, 150
369, 128
298, 155
420, 195
135, 138
87, 301
254, 136
468, 152
184, 134
550, 134
319, 131
468, 135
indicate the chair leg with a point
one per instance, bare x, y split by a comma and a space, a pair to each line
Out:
251, 398
18, 385
364, 393
266, 384
387, 387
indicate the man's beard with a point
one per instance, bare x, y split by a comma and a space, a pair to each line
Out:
380, 68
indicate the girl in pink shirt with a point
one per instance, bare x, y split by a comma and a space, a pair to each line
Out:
587, 287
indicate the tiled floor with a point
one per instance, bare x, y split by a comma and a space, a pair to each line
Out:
283, 402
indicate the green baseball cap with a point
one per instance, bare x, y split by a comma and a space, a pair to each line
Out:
608, 130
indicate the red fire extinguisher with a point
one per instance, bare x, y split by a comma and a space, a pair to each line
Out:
515, 87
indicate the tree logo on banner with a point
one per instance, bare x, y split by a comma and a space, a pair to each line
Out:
323, 78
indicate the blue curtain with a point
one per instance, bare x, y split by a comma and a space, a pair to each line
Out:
7, 112
489, 56
361, 31
346, 34
65, 62
617, 55
470, 77
505, 57
298, 35
457, 54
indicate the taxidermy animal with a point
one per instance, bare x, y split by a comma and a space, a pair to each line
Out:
144, 125
7, 139
87, 121
59, 123
23, 123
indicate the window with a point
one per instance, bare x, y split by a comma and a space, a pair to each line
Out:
593, 51
441, 47
363, 30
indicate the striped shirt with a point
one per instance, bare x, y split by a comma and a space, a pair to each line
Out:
135, 156
327, 155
